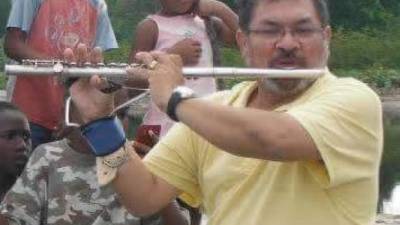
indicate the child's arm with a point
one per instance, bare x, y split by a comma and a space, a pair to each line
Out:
189, 49
145, 40
225, 18
174, 214
15, 46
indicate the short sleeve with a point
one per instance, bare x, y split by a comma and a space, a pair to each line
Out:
23, 13
345, 123
174, 159
23, 203
105, 37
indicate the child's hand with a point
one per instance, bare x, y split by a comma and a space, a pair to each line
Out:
142, 149
206, 8
189, 49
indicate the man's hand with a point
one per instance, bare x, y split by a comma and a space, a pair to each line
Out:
86, 95
189, 49
163, 78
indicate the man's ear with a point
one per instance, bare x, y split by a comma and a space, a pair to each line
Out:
242, 42
327, 33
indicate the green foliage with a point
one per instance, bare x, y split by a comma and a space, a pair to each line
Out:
2, 81
380, 76
2, 62
231, 3
4, 9
361, 49
126, 14
231, 57
376, 76
121, 54
356, 14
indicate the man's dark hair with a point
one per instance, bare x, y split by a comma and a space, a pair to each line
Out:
246, 8
7, 106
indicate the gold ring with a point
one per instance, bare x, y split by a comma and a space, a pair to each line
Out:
152, 65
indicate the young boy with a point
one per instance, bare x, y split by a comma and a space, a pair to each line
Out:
59, 186
15, 144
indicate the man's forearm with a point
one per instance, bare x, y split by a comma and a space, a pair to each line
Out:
248, 132
134, 183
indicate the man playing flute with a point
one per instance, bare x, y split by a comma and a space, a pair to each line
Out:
274, 151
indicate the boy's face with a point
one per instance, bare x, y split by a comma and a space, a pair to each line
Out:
15, 142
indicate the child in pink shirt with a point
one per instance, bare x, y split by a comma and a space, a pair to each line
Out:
180, 27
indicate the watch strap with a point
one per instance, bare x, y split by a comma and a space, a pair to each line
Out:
179, 94
173, 102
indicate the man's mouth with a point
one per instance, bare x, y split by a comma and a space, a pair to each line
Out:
285, 64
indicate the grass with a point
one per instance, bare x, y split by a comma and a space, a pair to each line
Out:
2, 81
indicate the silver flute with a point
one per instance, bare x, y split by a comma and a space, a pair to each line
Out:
119, 70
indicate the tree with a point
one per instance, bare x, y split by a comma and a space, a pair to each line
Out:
4, 11
365, 13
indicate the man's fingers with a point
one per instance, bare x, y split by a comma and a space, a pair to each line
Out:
82, 55
135, 73
140, 148
164, 58
197, 43
96, 55
154, 137
199, 50
144, 58
98, 82
177, 60
69, 55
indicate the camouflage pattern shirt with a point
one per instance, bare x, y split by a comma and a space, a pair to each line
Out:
59, 186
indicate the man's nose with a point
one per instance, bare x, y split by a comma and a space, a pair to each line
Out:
287, 42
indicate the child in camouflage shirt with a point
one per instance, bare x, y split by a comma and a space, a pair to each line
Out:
59, 186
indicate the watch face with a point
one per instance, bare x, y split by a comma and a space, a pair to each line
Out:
184, 91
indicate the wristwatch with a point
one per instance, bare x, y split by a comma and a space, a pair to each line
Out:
179, 94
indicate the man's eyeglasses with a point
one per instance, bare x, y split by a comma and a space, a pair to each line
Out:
276, 34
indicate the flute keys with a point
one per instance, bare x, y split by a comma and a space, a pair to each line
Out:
58, 67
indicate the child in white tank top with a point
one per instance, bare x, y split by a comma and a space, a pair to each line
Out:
180, 28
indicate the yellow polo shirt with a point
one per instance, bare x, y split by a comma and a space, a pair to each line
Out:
343, 117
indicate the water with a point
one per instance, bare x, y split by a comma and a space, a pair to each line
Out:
392, 206
390, 169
